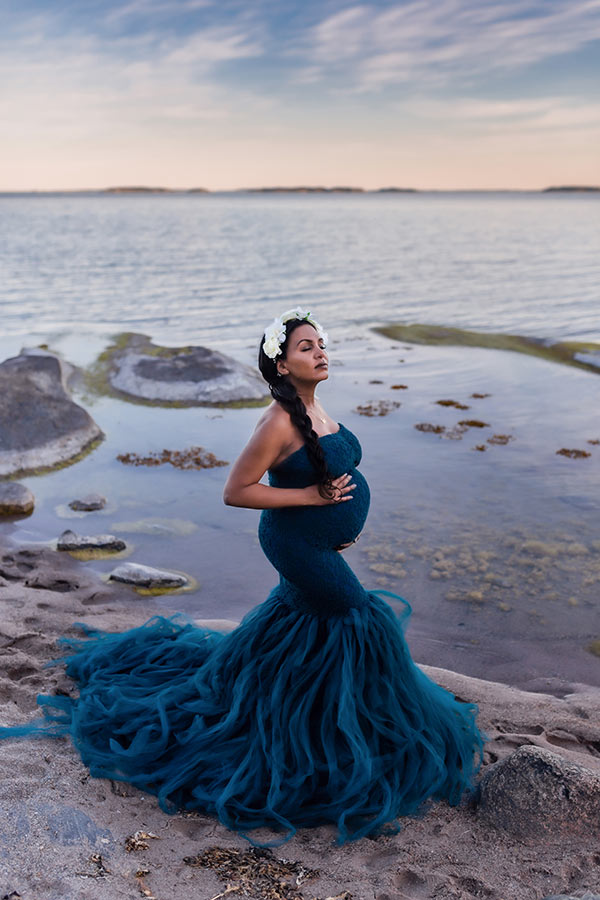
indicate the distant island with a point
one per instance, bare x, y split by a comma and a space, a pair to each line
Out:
126, 189
304, 189
571, 187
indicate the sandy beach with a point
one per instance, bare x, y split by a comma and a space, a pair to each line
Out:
69, 836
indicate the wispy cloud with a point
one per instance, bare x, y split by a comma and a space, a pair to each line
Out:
150, 8
429, 41
534, 115
80, 83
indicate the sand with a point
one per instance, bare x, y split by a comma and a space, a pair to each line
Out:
64, 835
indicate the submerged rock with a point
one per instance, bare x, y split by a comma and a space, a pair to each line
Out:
40, 425
69, 540
15, 499
136, 368
537, 793
147, 577
89, 503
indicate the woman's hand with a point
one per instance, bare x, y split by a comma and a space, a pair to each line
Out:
340, 492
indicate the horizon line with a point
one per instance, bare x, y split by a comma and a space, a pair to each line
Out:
299, 189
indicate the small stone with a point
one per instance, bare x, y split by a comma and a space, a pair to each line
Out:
69, 540
88, 503
147, 576
15, 499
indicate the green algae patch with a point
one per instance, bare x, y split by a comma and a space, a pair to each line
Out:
563, 352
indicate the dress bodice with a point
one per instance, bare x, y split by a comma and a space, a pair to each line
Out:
301, 541
342, 452
325, 526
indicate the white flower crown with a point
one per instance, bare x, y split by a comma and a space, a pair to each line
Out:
275, 333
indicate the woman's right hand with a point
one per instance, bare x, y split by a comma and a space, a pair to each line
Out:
340, 492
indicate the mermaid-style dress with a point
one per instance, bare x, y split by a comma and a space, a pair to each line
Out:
310, 711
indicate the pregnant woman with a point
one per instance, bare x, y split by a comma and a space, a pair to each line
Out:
311, 711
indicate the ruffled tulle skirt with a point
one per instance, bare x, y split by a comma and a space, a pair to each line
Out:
289, 720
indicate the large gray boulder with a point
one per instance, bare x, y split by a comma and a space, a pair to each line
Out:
135, 368
40, 425
535, 793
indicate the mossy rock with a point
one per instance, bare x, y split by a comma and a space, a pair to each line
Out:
581, 354
132, 368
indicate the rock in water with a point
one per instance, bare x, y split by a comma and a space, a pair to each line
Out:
146, 576
194, 376
15, 499
40, 426
69, 540
88, 503
535, 793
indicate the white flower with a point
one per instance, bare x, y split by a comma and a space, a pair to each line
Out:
275, 333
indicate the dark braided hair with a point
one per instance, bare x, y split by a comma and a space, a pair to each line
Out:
285, 393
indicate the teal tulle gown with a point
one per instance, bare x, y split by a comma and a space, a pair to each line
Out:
311, 711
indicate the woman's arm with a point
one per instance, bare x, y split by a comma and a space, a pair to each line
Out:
272, 436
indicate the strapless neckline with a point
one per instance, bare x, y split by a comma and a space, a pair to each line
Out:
303, 446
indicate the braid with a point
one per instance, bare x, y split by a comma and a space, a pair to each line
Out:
284, 392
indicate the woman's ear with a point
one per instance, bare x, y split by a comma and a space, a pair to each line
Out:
282, 369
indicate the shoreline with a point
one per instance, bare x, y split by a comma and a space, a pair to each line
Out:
63, 819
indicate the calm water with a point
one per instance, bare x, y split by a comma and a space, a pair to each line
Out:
183, 267
499, 552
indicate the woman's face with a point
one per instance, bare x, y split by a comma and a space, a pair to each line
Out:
306, 359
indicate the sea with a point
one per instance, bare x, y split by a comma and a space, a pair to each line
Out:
497, 550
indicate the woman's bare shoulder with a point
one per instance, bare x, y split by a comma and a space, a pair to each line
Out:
275, 432
277, 421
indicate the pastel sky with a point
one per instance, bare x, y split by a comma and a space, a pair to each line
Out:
226, 94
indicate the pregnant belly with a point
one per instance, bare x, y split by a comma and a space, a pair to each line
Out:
324, 526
